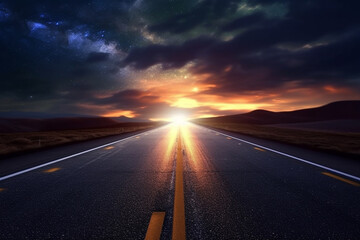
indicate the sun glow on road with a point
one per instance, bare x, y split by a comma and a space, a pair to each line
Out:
196, 153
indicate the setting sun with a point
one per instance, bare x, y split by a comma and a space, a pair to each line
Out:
179, 119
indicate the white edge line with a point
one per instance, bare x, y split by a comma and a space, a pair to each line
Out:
288, 155
71, 156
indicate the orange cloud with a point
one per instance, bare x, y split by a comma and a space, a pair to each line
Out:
192, 94
129, 114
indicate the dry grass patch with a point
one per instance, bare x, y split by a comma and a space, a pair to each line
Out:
19, 142
345, 143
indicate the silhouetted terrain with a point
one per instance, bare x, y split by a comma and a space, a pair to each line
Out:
331, 111
127, 119
55, 124
39, 115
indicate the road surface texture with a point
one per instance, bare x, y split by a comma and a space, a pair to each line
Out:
177, 181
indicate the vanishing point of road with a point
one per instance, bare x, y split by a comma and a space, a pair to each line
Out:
179, 181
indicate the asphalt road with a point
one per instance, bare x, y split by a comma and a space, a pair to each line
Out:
219, 186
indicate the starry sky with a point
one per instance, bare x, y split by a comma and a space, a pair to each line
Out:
152, 59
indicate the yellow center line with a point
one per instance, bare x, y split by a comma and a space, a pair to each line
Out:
178, 232
259, 149
110, 147
228, 138
155, 226
341, 179
51, 170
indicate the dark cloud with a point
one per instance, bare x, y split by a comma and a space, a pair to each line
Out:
169, 56
97, 57
316, 41
206, 13
128, 99
257, 18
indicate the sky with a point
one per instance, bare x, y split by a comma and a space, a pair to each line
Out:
153, 59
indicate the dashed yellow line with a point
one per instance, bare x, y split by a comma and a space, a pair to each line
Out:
259, 149
155, 226
342, 179
178, 232
51, 170
108, 148
228, 138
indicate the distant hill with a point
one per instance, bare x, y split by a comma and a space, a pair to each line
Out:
127, 119
331, 111
32, 125
39, 115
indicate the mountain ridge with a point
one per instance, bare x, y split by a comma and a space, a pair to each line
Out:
331, 111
